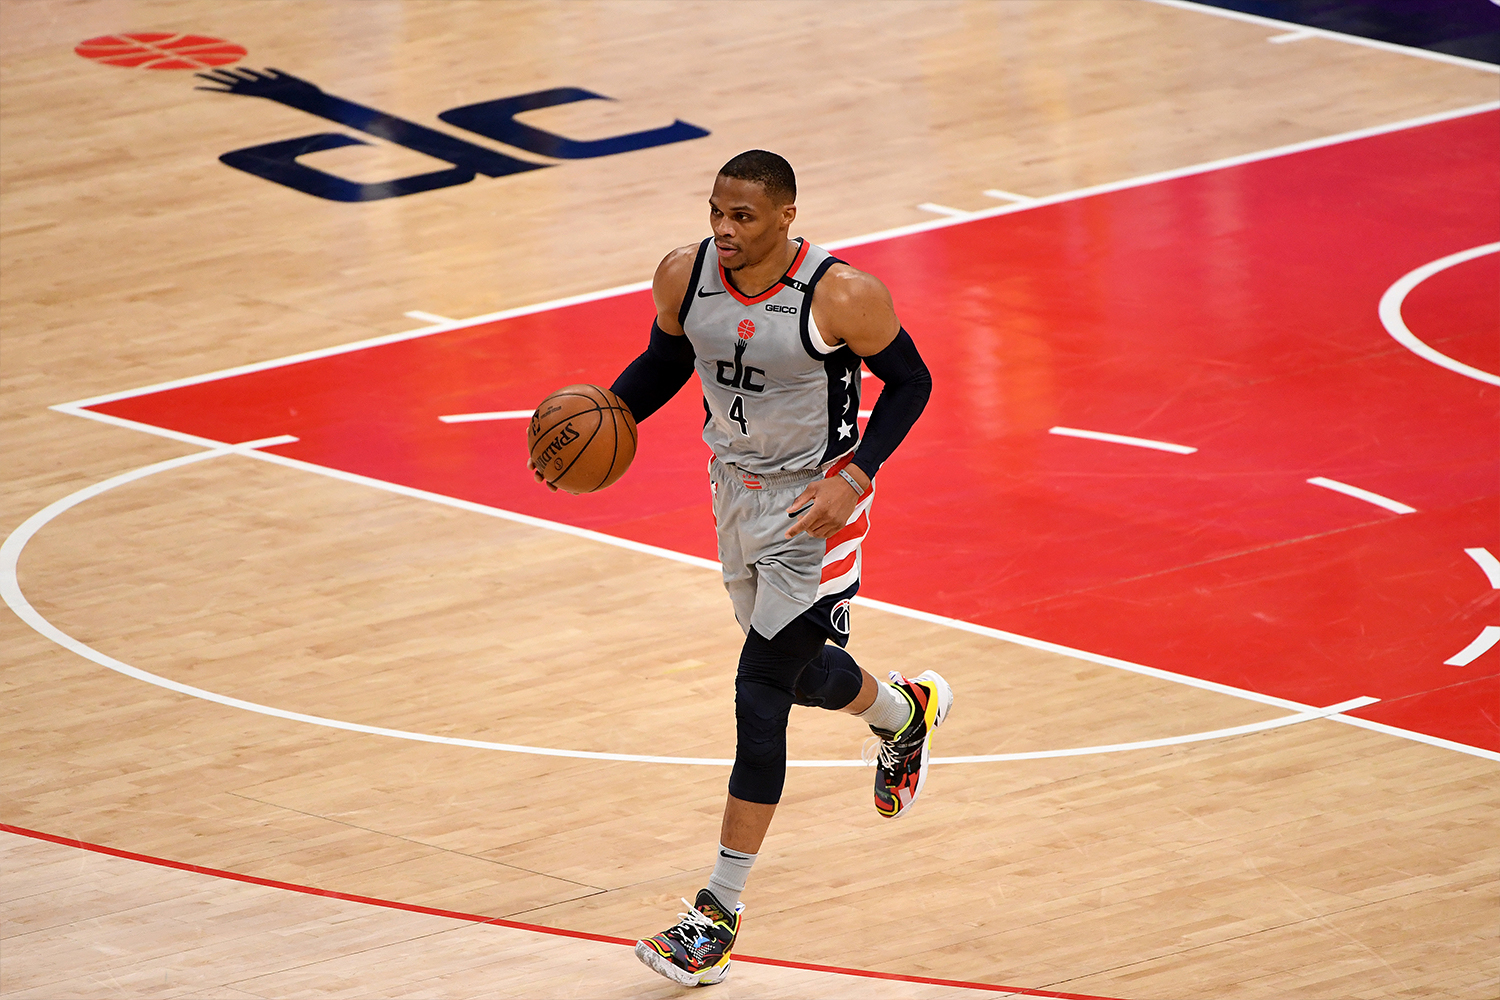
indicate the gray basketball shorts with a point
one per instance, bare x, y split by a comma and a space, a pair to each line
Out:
773, 579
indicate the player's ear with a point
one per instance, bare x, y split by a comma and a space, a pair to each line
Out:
788, 213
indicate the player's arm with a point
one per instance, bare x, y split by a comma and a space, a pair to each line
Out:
855, 309
666, 364
863, 317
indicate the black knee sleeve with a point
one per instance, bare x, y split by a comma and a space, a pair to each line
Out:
763, 696
830, 681
797, 666
760, 712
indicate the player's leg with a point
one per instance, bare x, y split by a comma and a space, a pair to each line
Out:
696, 951
902, 714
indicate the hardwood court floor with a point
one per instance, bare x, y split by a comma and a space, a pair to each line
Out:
1314, 860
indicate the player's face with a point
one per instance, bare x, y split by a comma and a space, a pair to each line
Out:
748, 226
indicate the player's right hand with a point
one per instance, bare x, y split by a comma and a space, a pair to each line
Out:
538, 474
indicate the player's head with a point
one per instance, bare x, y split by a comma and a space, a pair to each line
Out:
752, 207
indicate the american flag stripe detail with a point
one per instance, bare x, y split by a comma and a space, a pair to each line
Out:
839, 584
839, 568
842, 557
855, 529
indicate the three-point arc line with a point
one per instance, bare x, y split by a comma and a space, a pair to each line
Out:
10, 590
77, 408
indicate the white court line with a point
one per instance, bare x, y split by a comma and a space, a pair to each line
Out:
408, 491
1395, 325
1179, 449
1365, 495
932, 206
76, 408
1168, 175
1290, 36
884, 234
1337, 36
1488, 563
427, 317
465, 418
10, 590
691, 560
1486, 638
356, 345
1007, 195
1254, 727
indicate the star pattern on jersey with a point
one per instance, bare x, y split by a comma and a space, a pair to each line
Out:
845, 430
848, 380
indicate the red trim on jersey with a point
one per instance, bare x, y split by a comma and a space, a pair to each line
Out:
724, 280
838, 467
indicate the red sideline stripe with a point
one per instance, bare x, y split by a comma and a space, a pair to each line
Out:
516, 924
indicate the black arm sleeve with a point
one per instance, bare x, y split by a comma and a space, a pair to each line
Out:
908, 383
653, 378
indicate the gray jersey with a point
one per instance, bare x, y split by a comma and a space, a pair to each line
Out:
777, 397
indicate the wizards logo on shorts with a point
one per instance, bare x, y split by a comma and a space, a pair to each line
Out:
839, 616
279, 161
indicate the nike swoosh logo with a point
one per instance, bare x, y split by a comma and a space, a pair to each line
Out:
703, 295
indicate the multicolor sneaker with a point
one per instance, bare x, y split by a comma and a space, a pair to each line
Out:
901, 757
696, 951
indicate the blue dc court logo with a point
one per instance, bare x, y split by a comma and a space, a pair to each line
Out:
278, 161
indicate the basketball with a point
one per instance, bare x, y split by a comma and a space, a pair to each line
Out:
581, 438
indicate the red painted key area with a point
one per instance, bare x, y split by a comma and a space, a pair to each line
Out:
1234, 311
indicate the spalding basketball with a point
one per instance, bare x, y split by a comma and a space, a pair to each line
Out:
581, 438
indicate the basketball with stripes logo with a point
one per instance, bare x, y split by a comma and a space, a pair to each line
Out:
581, 438
160, 50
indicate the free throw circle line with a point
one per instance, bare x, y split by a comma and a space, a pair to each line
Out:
1390, 312
10, 591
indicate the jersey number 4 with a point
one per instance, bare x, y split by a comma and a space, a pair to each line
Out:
737, 414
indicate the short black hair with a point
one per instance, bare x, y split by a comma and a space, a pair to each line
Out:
765, 168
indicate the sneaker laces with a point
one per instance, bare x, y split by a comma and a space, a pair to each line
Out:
881, 751
693, 918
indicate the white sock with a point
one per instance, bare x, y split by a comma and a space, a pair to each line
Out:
890, 711
731, 871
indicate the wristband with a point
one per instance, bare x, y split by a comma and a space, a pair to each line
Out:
859, 490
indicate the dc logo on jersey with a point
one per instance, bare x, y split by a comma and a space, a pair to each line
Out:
839, 616
746, 329
279, 162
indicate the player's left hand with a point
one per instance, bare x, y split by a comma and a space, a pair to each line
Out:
833, 502
537, 475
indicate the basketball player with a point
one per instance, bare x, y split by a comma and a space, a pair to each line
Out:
777, 329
